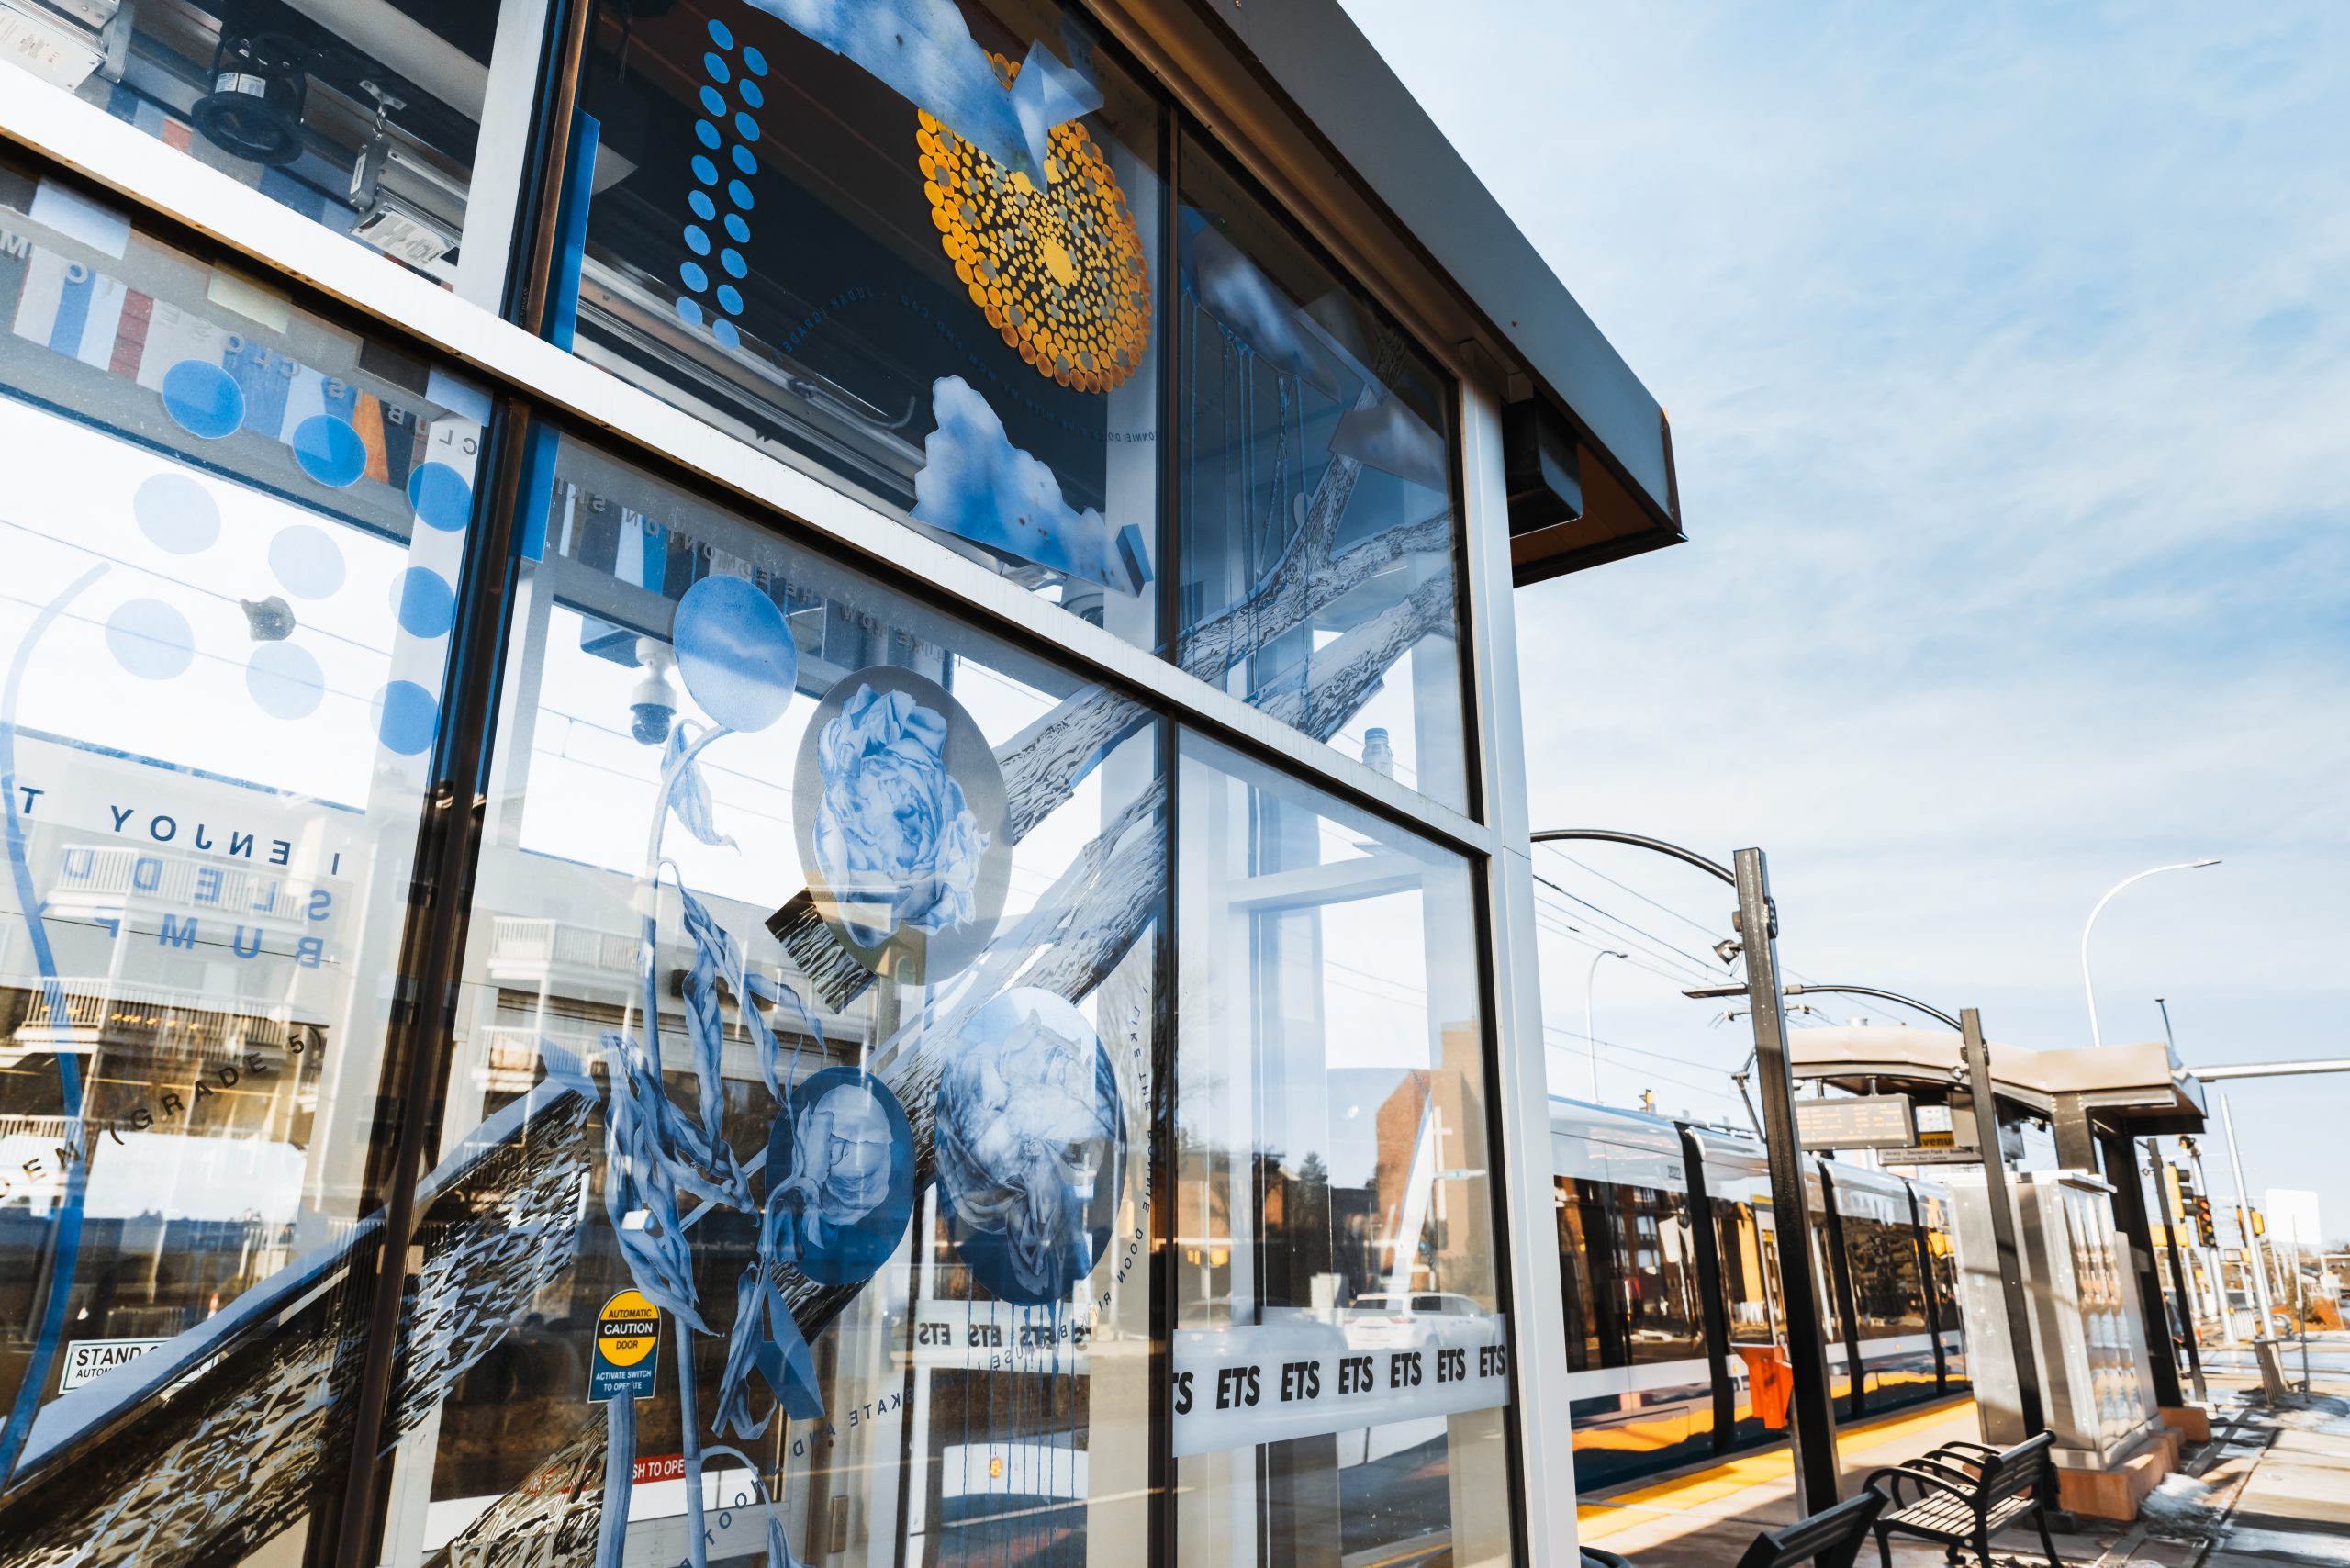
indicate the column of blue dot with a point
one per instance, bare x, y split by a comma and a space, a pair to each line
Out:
711, 131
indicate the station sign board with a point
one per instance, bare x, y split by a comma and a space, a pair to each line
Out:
1862, 1121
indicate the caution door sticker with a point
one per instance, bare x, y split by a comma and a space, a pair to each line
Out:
628, 1332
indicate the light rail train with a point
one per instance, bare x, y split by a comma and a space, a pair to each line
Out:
1669, 1259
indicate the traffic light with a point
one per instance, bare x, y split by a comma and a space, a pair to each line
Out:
2259, 1226
2194, 1205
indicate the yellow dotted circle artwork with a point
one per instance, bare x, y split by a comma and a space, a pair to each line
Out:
1057, 269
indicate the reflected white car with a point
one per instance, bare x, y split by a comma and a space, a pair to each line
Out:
1412, 1320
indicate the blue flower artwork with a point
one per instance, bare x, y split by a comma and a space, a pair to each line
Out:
841, 1177
1031, 1143
900, 810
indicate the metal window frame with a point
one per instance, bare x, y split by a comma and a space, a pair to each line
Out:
274, 239
524, 372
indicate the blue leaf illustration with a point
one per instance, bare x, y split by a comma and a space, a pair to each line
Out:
687, 792
776, 994
743, 1346
641, 1181
716, 958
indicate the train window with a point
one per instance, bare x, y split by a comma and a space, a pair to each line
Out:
1658, 1287
1582, 1239
1888, 1295
1749, 1301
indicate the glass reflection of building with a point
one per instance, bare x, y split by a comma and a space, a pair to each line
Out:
822, 676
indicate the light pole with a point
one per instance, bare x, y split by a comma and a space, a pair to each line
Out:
1812, 1428
1590, 1034
2096, 1037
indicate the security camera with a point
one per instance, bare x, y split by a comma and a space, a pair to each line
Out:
652, 702
254, 110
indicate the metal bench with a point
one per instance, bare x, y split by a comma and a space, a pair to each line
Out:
1962, 1494
1830, 1538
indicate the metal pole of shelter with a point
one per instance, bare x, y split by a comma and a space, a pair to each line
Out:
1985, 1103
1812, 1423
1812, 1432
2171, 1223
2120, 1152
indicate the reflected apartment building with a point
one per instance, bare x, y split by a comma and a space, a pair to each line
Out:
764, 789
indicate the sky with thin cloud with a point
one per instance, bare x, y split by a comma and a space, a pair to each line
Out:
2007, 355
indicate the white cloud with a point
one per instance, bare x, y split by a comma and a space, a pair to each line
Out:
2006, 353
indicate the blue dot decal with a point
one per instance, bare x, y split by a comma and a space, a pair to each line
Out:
696, 241
442, 497
696, 279
426, 604
175, 513
729, 299
716, 67
731, 259
728, 337
706, 134
715, 102
746, 127
705, 171
744, 160
204, 401
329, 451
689, 312
706, 210
719, 34
283, 680
736, 229
307, 561
755, 62
739, 194
150, 639
751, 93
406, 716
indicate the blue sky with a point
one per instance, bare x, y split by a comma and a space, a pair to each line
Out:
2008, 353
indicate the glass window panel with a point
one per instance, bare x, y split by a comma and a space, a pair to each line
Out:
364, 114
1315, 480
1577, 1239
1887, 1293
1660, 1280
892, 1163
234, 531
1331, 1167
832, 230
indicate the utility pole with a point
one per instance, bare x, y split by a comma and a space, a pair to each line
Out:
2243, 1227
1811, 1425
1814, 1438
1985, 1103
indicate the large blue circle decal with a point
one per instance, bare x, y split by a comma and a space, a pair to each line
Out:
735, 652
1031, 1143
841, 1176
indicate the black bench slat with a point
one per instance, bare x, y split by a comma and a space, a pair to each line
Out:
1966, 1494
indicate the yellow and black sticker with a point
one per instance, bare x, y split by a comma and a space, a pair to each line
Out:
628, 1332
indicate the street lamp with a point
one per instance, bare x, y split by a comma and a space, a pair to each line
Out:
2089, 985
1756, 928
1590, 1034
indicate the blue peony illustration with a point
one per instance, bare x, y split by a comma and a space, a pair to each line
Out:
1031, 1143
895, 839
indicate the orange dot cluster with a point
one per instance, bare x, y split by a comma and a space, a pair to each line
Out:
1058, 269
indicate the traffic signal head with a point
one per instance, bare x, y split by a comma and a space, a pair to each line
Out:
2204, 1229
